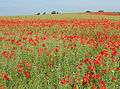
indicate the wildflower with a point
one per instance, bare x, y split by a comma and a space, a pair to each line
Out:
104, 71
24, 38
97, 62
75, 87
86, 79
5, 76
79, 66
19, 43
47, 52
117, 69
44, 38
114, 53
6, 54
20, 69
27, 74
32, 42
105, 53
92, 68
28, 65
43, 45
88, 60
94, 86
113, 59
56, 49
102, 85
30, 33
65, 80
36, 38
2, 87
114, 78
96, 76
40, 50
23, 65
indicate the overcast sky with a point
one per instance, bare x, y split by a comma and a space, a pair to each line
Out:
26, 7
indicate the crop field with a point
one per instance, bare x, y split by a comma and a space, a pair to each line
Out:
63, 51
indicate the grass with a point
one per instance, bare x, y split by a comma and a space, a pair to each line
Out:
41, 57
68, 16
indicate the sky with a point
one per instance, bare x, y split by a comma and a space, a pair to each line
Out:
29, 7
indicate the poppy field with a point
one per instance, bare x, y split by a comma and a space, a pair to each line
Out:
80, 51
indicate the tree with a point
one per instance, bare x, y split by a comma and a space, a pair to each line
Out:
44, 13
117, 13
57, 12
53, 12
88, 11
101, 11
38, 14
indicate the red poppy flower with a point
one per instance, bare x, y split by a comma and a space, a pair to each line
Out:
102, 85
5, 76
92, 68
27, 74
40, 51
